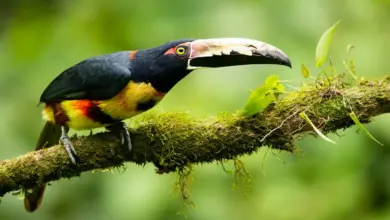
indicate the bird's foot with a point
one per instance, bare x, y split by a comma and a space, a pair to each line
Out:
69, 146
125, 135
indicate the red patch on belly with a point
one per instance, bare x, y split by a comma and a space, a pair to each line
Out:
91, 110
82, 105
86, 107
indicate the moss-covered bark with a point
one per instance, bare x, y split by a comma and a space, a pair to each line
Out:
173, 140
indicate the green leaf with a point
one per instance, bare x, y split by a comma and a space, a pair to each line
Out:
305, 71
349, 48
349, 64
306, 118
258, 100
263, 96
361, 127
324, 44
274, 82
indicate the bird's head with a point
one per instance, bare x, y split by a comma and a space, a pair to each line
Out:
167, 64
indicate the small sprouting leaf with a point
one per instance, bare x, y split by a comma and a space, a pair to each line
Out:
330, 61
361, 127
324, 44
267, 100
349, 48
258, 100
350, 66
263, 96
307, 119
272, 80
275, 85
305, 71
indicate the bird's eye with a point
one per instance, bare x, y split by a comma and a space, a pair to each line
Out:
181, 51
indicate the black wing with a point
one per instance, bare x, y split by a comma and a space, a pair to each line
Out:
96, 78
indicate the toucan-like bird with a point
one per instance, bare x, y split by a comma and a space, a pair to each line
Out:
104, 90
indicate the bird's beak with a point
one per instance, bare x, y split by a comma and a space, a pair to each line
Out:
222, 52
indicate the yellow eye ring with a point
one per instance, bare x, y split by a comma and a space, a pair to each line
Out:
181, 51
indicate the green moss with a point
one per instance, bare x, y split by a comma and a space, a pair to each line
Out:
182, 185
242, 179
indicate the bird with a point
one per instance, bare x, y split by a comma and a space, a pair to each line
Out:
104, 90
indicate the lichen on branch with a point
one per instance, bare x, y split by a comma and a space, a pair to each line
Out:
172, 141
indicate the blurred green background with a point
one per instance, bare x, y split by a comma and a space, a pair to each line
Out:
351, 180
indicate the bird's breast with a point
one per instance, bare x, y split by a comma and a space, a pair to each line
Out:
134, 99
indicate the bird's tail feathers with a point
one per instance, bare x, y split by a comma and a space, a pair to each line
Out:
49, 136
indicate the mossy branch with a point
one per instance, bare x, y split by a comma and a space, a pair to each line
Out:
172, 140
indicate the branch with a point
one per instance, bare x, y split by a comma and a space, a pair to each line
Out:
172, 140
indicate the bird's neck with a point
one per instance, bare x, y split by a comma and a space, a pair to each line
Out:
163, 77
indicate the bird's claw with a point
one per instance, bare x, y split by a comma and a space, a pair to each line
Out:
69, 147
124, 133
126, 140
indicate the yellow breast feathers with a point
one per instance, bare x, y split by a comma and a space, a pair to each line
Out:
78, 114
125, 104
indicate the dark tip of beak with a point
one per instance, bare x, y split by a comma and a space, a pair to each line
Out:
288, 63
283, 60
274, 57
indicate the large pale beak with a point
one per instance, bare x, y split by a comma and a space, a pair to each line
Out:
221, 52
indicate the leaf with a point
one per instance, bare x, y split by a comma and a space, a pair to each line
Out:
258, 100
361, 127
349, 64
275, 85
272, 81
263, 96
349, 48
304, 116
324, 44
305, 71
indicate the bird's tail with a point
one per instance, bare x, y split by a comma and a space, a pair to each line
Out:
50, 135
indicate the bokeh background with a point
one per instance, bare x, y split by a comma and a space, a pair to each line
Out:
350, 180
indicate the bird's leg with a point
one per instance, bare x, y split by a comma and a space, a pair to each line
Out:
125, 135
68, 145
